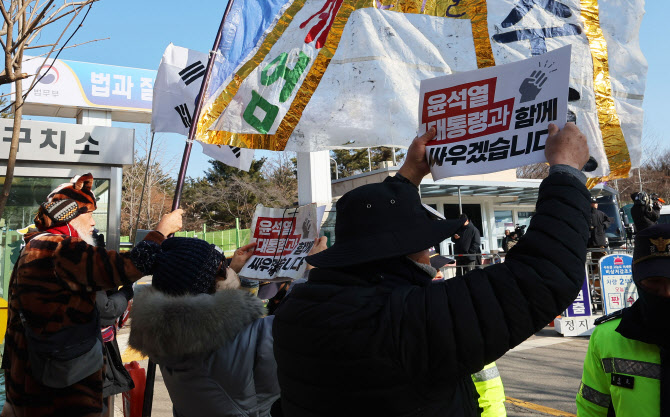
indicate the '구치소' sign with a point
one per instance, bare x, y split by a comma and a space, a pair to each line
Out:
495, 118
283, 239
69, 142
617, 284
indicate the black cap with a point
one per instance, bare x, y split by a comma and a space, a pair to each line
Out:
651, 257
437, 261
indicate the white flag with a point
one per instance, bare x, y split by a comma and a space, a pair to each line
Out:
178, 82
177, 85
230, 155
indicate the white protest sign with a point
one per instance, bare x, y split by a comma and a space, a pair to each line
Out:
283, 238
495, 118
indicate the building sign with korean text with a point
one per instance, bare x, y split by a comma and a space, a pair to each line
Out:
495, 118
618, 289
83, 84
283, 239
69, 143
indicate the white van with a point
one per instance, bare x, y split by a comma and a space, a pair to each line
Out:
665, 215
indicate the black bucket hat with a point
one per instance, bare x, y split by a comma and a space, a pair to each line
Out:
380, 221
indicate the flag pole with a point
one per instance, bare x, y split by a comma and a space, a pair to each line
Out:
151, 367
196, 114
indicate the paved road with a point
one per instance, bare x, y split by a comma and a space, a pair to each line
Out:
543, 373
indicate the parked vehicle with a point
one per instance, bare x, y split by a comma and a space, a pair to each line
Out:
607, 198
665, 215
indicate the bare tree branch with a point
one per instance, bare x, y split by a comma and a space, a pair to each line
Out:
32, 84
54, 19
34, 9
24, 22
61, 49
158, 186
22, 10
6, 79
75, 7
5, 15
26, 32
13, 147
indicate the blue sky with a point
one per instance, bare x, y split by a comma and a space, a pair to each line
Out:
139, 31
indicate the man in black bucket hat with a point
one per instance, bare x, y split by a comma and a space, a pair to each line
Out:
627, 365
369, 335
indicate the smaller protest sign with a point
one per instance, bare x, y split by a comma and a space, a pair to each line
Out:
494, 118
575, 326
283, 239
618, 288
582, 304
577, 319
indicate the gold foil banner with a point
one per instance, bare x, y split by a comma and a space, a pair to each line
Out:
209, 114
475, 10
610, 125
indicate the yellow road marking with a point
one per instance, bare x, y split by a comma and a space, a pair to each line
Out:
537, 407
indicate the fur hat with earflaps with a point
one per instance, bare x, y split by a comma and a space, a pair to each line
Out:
66, 202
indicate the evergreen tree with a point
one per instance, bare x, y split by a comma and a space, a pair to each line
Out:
356, 161
222, 172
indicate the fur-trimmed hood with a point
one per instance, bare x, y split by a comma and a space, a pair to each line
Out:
173, 330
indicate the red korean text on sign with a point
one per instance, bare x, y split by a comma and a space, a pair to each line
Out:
274, 236
466, 111
615, 300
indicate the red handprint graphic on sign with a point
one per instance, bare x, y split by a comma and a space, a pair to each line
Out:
325, 20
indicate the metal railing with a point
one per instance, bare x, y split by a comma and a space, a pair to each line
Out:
452, 270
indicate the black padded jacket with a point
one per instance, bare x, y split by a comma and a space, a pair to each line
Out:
381, 340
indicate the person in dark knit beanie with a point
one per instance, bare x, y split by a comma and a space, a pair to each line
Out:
187, 266
203, 332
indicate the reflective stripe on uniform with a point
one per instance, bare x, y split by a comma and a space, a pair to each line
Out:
594, 396
631, 367
486, 374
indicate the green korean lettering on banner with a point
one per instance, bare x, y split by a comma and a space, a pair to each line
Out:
263, 126
279, 71
290, 76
